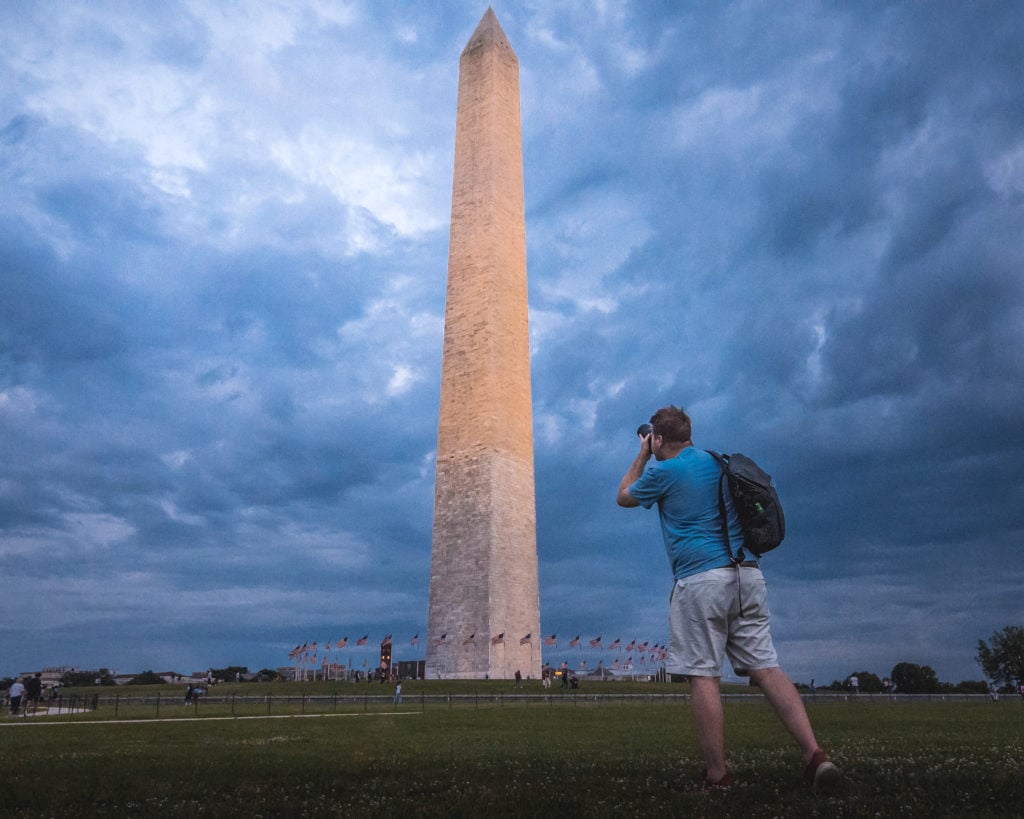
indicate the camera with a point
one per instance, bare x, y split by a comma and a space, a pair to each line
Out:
643, 430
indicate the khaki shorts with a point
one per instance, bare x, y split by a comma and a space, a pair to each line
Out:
705, 623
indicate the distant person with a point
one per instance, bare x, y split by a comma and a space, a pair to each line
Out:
189, 693
718, 607
398, 693
33, 691
15, 693
519, 679
993, 692
854, 685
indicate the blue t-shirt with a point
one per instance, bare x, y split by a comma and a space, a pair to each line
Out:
686, 490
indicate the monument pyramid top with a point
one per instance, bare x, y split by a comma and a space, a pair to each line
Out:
488, 32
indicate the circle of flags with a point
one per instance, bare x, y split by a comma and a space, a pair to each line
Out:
628, 657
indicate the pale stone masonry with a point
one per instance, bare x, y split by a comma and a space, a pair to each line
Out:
483, 573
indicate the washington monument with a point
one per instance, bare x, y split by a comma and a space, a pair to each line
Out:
484, 617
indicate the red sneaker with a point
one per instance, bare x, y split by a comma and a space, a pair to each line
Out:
726, 781
820, 772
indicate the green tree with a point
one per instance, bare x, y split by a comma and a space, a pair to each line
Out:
84, 678
1002, 658
868, 682
910, 678
229, 674
146, 678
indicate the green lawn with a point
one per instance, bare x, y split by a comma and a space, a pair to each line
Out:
507, 759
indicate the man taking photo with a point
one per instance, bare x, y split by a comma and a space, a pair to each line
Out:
718, 607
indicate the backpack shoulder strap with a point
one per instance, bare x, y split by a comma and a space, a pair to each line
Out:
723, 463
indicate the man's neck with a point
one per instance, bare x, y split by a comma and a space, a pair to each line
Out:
668, 451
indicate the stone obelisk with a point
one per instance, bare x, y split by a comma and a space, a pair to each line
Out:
484, 617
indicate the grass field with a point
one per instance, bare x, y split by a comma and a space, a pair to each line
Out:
591, 759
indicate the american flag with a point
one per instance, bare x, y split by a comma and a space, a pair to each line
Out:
415, 641
527, 639
441, 639
343, 642
498, 638
363, 640
615, 644
595, 642
631, 646
575, 641
550, 640
386, 641
469, 639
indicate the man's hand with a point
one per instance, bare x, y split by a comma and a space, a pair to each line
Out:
636, 469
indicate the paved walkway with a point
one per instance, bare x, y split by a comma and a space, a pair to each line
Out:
19, 720
51, 711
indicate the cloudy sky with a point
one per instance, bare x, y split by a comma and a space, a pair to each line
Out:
223, 248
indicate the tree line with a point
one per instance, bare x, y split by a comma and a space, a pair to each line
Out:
907, 678
1001, 659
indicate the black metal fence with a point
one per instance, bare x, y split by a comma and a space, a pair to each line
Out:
162, 706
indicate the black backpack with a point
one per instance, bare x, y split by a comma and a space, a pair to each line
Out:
756, 502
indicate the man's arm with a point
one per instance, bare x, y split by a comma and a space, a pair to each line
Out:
636, 469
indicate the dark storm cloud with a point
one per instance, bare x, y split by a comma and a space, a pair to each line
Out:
222, 251
848, 315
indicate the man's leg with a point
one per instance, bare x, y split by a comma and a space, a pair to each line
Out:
785, 699
710, 721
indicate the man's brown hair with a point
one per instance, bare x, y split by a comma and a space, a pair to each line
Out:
672, 423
